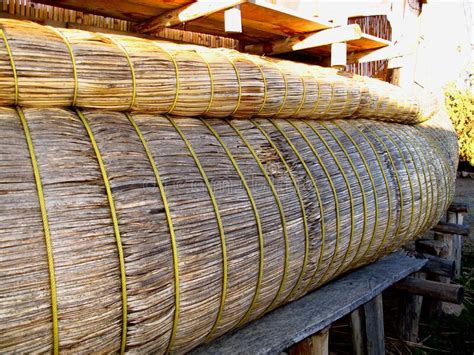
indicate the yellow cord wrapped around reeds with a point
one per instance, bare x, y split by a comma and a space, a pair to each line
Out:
143, 232
42, 66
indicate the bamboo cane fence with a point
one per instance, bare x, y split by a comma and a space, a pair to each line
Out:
42, 66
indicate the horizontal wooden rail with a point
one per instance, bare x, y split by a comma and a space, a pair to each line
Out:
437, 290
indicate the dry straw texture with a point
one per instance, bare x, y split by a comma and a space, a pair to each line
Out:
244, 214
63, 67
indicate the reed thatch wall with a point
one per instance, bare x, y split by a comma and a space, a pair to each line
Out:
42, 66
192, 227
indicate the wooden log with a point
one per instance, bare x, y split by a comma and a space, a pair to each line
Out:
438, 266
410, 308
432, 247
307, 40
186, 13
357, 331
437, 290
458, 207
451, 228
374, 328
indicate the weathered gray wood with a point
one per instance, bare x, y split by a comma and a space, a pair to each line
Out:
438, 266
410, 311
357, 332
451, 228
433, 247
458, 207
437, 290
374, 329
290, 324
456, 252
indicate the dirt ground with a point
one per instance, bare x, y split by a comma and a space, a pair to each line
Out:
465, 194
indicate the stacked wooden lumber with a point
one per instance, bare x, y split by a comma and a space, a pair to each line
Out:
144, 232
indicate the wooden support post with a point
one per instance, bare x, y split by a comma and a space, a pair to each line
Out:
456, 253
410, 311
357, 331
233, 20
317, 344
374, 328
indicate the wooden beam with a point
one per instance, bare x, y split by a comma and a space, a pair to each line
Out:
410, 312
307, 40
316, 344
437, 290
186, 13
438, 266
451, 228
358, 331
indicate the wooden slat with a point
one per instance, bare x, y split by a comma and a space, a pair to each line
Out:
186, 13
307, 40
374, 329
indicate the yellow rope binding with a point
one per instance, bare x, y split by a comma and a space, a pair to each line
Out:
417, 226
265, 91
300, 202
330, 100
47, 233
285, 95
336, 201
176, 71
346, 180
118, 238
169, 220
211, 78
303, 98
220, 226
364, 202
12, 63
239, 97
73, 61
257, 220
280, 210
387, 187
412, 212
399, 185
374, 192
316, 104
132, 70
321, 208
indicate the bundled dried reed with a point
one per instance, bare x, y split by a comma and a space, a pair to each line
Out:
217, 221
47, 67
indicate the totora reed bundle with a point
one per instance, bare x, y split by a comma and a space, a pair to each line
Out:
47, 67
164, 232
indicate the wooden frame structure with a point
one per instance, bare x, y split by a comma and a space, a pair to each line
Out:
266, 28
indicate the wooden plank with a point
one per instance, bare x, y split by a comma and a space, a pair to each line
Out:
307, 40
374, 328
124, 10
186, 14
357, 331
432, 247
433, 289
285, 326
